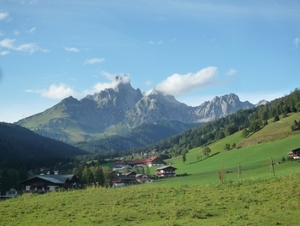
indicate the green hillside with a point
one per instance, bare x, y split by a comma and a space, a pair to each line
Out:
252, 202
255, 195
253, 158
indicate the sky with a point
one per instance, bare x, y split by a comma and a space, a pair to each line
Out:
192, 49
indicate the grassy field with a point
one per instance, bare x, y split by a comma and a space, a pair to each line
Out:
253, 160
252, 197
273, 141
249, 202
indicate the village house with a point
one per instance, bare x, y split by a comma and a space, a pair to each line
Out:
127, 180
47, 183
166, 171
295, 154
147, 162
152, 161
9, 194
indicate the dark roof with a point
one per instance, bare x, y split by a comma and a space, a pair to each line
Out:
165, 167
295, 150
56, 179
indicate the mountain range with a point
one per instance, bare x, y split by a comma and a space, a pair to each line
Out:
121, 109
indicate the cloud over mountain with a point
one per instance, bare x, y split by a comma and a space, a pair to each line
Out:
55, 91
178, 84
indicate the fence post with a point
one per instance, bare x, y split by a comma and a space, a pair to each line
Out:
272, 170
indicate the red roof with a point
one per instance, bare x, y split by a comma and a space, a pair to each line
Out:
143, 161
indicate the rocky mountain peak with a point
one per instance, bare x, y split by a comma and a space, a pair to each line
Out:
226, 98
262, 102
121, 95
122, 83
120, 108
159, 95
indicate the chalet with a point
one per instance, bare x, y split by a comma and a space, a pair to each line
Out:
46, 183
295, 153
9, 194
131, 174
127, 180
166, 171
152, 161
141, 178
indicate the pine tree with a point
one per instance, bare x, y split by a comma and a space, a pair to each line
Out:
183, 157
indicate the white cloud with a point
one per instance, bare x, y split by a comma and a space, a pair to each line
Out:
231, 72
3, 53
155, 43
108, 75
72, 49
7, 43
115, 80
32, 30
178, 84
296, 42
94, 61
27, 47
3, 15
148, 83
55, 91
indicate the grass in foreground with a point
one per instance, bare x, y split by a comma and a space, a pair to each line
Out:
250, 202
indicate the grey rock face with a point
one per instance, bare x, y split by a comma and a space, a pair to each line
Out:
121, 108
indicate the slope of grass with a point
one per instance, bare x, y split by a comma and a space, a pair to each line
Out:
251, 202
251, 197
273, 131
253, 158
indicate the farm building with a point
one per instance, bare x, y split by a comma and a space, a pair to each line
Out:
152, 161
127, 180
295, 153
46, 183
9, 194
166, 171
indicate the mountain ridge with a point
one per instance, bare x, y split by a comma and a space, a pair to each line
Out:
117, 110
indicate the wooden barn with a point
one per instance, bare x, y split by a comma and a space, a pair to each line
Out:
166, 171
46, 183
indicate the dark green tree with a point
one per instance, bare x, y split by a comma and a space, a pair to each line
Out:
276, 118
108, 175
296, 125
206, 151
245, 133
220, 135
98, 175
227, 147
87, 176
183, 157
297, 106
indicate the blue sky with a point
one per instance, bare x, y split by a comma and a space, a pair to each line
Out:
192, 49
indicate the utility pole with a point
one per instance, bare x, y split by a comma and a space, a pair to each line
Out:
239, 172
272, 170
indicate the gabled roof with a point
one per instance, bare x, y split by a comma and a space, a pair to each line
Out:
165, 167
295, 150
56, 179
143, 161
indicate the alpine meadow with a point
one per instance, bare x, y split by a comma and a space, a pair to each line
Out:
149, 112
